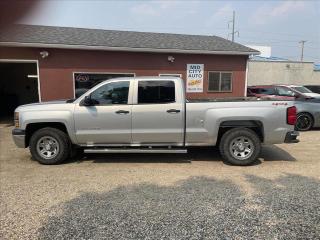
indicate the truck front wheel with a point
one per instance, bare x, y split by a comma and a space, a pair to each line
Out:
49, 146
240, 146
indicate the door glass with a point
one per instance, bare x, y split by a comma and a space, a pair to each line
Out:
267, 91
254, 90
156, 92
112, 93
285, 92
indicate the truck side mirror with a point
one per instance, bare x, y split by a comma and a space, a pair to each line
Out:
87, 101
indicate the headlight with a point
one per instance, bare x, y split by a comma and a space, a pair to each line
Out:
16, 120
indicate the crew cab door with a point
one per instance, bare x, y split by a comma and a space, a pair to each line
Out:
108, 119
157, 113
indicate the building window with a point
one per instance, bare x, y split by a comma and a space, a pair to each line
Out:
84, 81
170, 75
154, 92
220, 82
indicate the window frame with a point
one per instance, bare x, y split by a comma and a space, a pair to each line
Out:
220, 73
170, 75
88, 72
136, 93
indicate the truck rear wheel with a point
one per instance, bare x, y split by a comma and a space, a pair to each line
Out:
240, 146
49, 146
304, 122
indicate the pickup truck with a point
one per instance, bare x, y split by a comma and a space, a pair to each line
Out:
151, 115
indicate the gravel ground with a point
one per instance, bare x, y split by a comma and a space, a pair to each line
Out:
193, 196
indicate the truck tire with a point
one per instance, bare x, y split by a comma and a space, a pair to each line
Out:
240, 146
49, 146
304, 122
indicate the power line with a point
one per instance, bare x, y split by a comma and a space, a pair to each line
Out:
275, 44
277, 40
277, 33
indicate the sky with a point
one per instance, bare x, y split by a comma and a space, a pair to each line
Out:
279, 24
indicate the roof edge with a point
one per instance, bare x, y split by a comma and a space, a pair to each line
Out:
282, 61
124, 49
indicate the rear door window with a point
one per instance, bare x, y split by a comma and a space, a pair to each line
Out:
254, 90
156, 92
267, 91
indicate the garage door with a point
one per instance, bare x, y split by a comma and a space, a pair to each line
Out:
18, 85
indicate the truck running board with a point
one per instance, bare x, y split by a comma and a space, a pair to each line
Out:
128, 150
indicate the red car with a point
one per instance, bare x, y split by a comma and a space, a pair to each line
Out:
286, 92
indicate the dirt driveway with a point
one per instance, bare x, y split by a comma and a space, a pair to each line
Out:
193, 196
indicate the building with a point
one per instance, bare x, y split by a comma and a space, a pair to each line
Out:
274, 70
40, 63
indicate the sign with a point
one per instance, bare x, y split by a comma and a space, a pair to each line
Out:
82, 78
194, 78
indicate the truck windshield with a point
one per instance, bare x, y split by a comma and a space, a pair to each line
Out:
302, 89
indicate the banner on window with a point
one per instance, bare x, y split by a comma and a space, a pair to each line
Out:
194, 78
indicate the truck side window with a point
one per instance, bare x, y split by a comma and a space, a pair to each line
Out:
268, 91
285, 92
112, 93
156, 92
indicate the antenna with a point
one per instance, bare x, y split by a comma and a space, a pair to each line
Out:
233, 21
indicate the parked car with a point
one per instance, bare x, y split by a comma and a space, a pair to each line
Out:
287, 92
308, 114
151, 115
303, 91
269, 91
313, 88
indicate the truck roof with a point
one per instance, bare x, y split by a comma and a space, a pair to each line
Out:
274, 85
145, 78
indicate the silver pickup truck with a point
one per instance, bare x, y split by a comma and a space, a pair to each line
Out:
151, 115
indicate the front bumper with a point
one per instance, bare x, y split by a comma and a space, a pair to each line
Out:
19, 136
291, 137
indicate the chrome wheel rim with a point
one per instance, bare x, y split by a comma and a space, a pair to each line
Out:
241, 148
48, 147
303, 122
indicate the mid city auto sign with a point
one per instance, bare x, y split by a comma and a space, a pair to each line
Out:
194, 78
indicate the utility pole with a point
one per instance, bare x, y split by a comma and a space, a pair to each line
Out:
233, 21
302, 48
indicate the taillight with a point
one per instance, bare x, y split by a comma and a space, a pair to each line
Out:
16, 120
291, 115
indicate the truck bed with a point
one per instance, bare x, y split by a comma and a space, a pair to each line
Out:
232, 99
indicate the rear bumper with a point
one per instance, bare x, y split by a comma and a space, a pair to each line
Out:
19, 136
291, 137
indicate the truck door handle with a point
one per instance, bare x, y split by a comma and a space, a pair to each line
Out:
122, 112
173, 111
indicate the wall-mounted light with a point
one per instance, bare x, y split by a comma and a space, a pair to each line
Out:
44, 54
170, 59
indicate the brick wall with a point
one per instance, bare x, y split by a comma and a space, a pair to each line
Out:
56, 71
